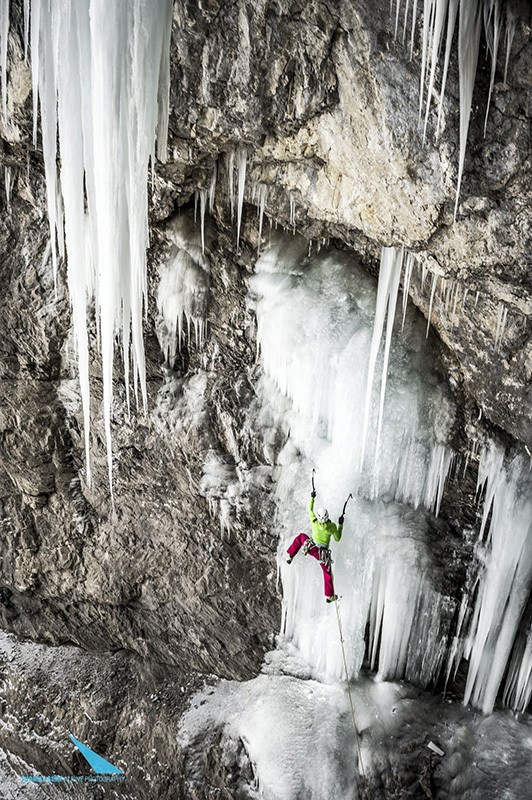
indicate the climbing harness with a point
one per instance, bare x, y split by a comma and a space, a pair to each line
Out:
349, 693
325, 557
324, 554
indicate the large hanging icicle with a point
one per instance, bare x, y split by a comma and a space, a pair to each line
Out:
451, 22
98, 71
468, 45
389, 277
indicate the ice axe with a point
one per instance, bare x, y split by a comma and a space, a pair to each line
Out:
313, 487
346, 502
341, 520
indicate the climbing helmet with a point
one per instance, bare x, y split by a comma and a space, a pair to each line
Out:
322, 515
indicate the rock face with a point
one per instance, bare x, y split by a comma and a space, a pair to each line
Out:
325, 103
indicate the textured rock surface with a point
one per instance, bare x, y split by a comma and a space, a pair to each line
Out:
123, 707
74, 568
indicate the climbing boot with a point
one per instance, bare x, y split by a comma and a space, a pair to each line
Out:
331, 599
289, 559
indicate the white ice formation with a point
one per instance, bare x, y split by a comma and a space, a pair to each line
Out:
315, 321
183, 290
101, 76
370, 412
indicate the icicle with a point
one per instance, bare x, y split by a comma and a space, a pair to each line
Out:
428, 14
196, 198
432, 293
440, 464
163, 90
26, 27
7, 175
212, 190
510, 33
407, 4
468, 46
453, 315
4, 35
476, 298
231, 182
502, 315
203, 203
293, 212
35, 58
398, 8
241, 163
439, 14
396, 261
389, 277
409, 264
494, 9
262, 198
451, 22
414, 20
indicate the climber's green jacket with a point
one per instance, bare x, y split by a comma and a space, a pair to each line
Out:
322, 531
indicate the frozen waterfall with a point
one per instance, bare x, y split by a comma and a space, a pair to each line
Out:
323, 339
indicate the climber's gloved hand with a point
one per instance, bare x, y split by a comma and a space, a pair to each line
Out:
341, 520
313, 494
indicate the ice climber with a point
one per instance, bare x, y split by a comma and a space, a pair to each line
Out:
318, 545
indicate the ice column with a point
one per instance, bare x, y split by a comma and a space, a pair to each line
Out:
99, 70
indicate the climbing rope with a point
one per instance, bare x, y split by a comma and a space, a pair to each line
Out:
349, 693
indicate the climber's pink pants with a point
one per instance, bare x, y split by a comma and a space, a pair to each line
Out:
295, 547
